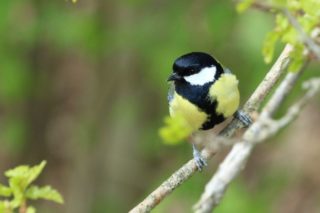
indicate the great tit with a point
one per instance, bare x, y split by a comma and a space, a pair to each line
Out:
203, 93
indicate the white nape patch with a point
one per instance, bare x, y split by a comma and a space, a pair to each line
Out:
205, 75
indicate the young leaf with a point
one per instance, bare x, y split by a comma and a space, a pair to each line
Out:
294, 5
20, 178
31, 209
46, 192
282, 23
311, 7
295, 65
17, 186
25, 173
244, 5
5, 207
279, 3
297, 58
2, 206
269, 45
18, 171
35, 171
5, 191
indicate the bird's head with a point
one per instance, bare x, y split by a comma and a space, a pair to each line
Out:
196, 68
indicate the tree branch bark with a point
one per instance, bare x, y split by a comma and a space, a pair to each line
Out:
308, 41
262, 129
188, 169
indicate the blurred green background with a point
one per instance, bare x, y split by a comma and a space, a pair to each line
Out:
84, 86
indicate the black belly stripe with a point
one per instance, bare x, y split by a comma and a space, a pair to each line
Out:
198, 95
212, 121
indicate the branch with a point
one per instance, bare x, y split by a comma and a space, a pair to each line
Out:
273, 126
262, 129
310, 43
262, 90
188, 169
306, 39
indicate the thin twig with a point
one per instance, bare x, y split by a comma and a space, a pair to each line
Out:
23, 207
307, 40
262, 129
273, 126
188, 169
262, 90
262, 6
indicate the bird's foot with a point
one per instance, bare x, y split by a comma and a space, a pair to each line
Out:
243, 117
200, 161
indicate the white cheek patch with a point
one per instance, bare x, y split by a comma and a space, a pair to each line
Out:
206, 75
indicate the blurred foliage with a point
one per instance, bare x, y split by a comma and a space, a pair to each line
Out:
20, 190
307, 14
84, 86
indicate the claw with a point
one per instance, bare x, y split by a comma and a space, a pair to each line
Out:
199, 160
243, 117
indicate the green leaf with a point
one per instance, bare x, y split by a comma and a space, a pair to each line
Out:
269, 45
25, 173
31, 209
46, 192
279, 3
5, 207
176, 129
282, 31
35, 171
20, 178
308, 22
294, 5
297, 58
244, 5
311, 7
17, 186
2, 207
282, 23
291, 36
17, 171
5, 191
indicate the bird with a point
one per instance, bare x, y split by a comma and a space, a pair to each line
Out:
204, 93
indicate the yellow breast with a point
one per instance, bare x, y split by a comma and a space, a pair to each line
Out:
194, 117
225, 92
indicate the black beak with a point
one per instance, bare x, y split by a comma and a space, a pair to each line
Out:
174, 77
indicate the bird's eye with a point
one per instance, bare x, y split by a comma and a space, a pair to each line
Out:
192, 71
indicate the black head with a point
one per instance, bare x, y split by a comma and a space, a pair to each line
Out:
193, 63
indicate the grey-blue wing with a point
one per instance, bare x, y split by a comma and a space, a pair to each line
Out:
227, 70
170, 93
